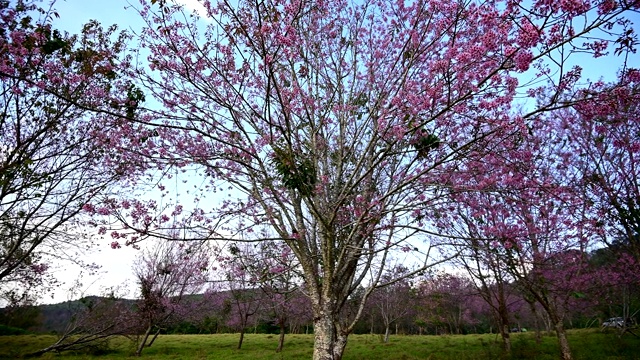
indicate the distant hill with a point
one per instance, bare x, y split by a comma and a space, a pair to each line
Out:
49, 318
54, 318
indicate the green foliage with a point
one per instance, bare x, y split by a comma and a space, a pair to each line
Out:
297, 172
359, 103
425, 143
18, 169
135, 96
54, 43
579, 295
20, 317
54, 40
10, 330
361, 100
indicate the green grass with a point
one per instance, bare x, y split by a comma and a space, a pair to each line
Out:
586, 345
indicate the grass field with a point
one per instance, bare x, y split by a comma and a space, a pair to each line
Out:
586, 344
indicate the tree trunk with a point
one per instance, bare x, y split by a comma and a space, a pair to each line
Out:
565, 351
143, 341
503, 325
547, 323
281, 338
506, 338
387, 331
329, 343
241, 338
536, 319
155, 336
244, 322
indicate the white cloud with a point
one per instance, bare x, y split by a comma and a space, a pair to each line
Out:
194, 5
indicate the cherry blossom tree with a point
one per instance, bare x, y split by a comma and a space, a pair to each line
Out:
242, 278
167, 275
446, 302
341, 124
270, 267
600, 145
486, 268
62, 97
300, 316
393, 301
615, 284
606, 137
280, 281
533, 220
602, 132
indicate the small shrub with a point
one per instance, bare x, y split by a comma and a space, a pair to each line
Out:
10, 330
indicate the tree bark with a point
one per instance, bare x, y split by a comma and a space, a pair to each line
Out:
329, 341
506, 337
387, 331
503, 325
281, 338
155, 336
241, 338
565, 350
143, 341
536, 319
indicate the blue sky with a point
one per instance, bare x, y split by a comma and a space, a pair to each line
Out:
74, 13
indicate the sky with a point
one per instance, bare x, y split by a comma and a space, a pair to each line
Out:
117, 264
75, 13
